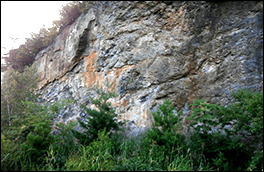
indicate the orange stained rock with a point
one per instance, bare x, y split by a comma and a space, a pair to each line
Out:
89, 61
93, 78
118, 72
124, 103
144, 115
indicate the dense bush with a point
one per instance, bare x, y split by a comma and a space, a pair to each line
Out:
64, 145
29, 149
25, 125
103, 118
8, 156
94, 157
242, 124
164, 148
166, 134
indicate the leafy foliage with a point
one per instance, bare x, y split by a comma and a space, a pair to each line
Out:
16, 87
242, 122
95, 157
166, 119
256, 163
8, 148
33, 138
64, 145
25, 125
71, 11
104, 117
168, 137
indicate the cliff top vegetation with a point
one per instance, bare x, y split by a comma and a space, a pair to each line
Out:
24, 56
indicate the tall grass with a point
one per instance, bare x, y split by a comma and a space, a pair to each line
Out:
103, 155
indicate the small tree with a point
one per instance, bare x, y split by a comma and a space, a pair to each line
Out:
16, 87
103, 118
35, 135
165, 135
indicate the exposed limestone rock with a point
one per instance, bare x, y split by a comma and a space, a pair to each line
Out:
152, 51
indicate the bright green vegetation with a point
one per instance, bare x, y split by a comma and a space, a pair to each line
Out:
27, 142
103, 118
26, 126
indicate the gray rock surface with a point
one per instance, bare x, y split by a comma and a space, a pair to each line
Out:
152, 51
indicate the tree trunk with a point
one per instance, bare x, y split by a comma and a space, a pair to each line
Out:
9, 114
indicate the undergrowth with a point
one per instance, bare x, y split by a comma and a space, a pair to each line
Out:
161, 147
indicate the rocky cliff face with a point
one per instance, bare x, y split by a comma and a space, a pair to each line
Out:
152, 51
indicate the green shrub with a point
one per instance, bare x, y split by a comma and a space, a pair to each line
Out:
63, 146
211, 146
95, 157
181, 163
26, 126
131, 158
136, 164
166, 128
165, 134
256, 163
224, 151
150, 157
98, 120
166, 119
7, 153
35, 137
248, 111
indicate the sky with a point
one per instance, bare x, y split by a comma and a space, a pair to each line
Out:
20, 18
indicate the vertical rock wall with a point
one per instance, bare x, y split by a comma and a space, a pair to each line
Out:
152, 51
